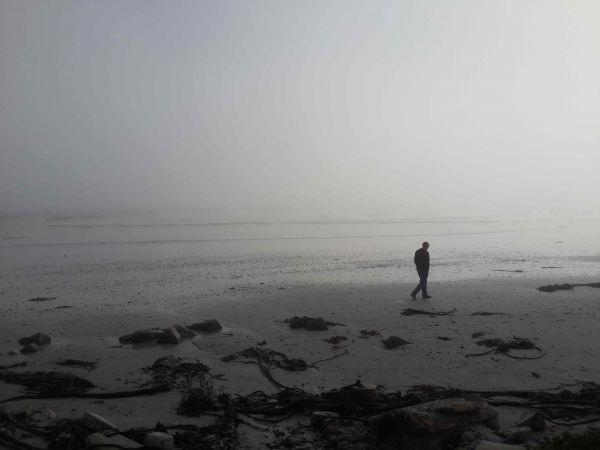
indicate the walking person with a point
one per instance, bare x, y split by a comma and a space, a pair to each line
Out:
422, 263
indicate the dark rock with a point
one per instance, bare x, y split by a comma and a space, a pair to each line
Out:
209, 325
393, 342
319, 418
29, 348
25, 340
317, 324
336, 339
556, 287
184, 332
537, 422
41, 299
477, 334
141, 336
169, 336
370, 332
443, 338
298, 322
41, 339
425, 425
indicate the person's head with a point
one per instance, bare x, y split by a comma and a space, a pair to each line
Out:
425, 245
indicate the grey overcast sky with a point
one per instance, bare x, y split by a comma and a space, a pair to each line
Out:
371, 108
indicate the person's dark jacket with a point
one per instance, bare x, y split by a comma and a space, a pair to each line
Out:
422, 259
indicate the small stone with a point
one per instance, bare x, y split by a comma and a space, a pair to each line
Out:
394, 341
141, 336
317, 324
477, 334
41, 339
169, 336
209, 325
29, 348
184, 332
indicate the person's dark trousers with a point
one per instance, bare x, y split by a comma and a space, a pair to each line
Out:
423, 274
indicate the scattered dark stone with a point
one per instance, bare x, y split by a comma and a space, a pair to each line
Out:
412, 312
41, 299
310, 323
29, 348
566, 286
487, 313
261, 343
477, 334
394, 342
317, 324
63, 307
370, 332
426, 425
50, 382
443, 338
88, 365
37, 338
209, 325
535, 375
141, 336
537, 422
184, 332
169, 336
336, 339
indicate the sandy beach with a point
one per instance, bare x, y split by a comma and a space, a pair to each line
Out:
255, 314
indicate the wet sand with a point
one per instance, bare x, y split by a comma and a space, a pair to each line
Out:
563, 324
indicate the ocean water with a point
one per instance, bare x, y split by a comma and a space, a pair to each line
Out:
113, 256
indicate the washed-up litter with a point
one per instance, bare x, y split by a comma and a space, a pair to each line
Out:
412, 312
504, 347
566, 286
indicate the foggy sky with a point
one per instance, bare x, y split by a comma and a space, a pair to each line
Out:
366, 108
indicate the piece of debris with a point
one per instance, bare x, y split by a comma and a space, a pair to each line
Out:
370, 332
504, 347
487, 313
98, 422
412, 312
141, 336
41, 299
477, 334
394, 342
443, 338
37, 339
535, 375
310, 323
207, 326
88, 365
174, 372
566, 287
336, 339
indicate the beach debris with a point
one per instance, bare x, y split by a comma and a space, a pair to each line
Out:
310, 323
195, 401
174, 372
97, 422
566, 287
487, 313
141, 336
88, 365
394, 342
535, 375
336, 339
37, 339
104, 442
265, 359
41, 299
490, 445
207, 326
159, 440
537, 422
45, 382
29, 348
169, 336
507, 270
412, 312
370, 333
504, 347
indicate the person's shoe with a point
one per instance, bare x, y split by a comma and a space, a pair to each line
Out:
427, 296
414, 296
